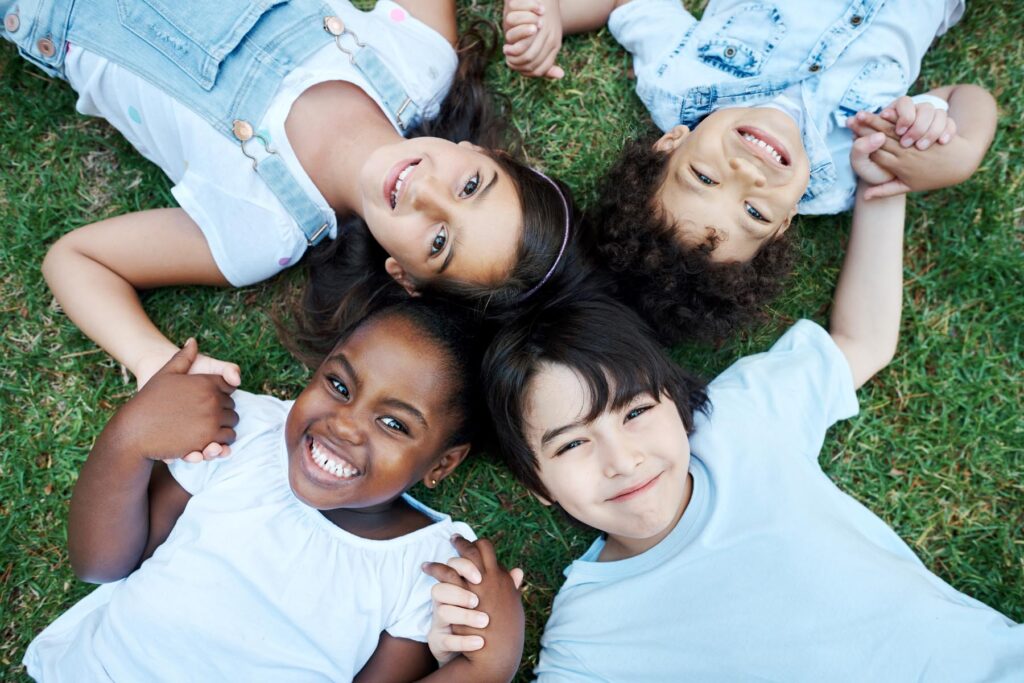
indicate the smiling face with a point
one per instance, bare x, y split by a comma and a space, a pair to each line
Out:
374, 420
441, 210
741, 172
624, 473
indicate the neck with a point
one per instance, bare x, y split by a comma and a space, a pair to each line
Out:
621, 548
334, 127
379, 522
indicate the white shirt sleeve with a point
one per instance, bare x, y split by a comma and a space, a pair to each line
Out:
250, 242
649, 29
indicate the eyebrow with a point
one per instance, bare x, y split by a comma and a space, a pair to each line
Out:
552, 434
349, 370
402, 405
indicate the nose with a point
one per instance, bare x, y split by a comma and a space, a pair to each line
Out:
346, 428
430, 196
621, 458
748, 171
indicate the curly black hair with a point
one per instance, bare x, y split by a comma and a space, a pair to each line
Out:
676, 288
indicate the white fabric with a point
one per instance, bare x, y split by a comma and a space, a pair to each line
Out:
250, 234
773, 573
251, 584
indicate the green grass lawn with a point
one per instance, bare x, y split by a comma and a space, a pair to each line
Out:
936, 450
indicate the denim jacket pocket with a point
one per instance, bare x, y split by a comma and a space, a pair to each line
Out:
196, 37
745, 41
879, 83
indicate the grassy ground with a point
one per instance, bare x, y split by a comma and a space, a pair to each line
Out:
936, 451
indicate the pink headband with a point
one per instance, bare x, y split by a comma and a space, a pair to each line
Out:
565, 238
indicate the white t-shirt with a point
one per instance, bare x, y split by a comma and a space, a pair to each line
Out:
251, 584
250, 234
773, 573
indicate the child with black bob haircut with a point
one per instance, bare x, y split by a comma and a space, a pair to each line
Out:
758, 106
725, 552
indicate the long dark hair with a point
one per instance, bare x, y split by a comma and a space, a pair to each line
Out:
346, 276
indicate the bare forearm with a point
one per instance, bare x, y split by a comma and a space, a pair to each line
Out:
865, 317
580, 16
461, 669
109, 520
105, 306
975, 112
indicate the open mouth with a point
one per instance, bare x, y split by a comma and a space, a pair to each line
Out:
395, 180
768, 148
330, 461
634, 491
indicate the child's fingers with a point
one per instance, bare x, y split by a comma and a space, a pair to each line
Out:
520, 18
950, 131
890, 189
936, 129
516, 35
452, 594
457, 616
889, 114
524, 5
193, 457
182, 360
554, 73
514, 51
906, 112
224, 436
453, 643
922, 121
467, 549
466, 569
212, 451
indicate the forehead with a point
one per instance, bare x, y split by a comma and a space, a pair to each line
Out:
488, 231
393, 359
556, 395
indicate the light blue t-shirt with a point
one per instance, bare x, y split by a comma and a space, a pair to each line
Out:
773, 573
842, 55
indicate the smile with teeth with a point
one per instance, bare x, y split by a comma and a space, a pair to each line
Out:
331, 462
398, 182
765, 146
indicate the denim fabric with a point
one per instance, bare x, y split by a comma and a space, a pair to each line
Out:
846, 55
225, 60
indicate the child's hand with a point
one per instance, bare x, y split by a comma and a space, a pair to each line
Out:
533, 37
919, 124
912, 169
203, 365
476, 579
178, 414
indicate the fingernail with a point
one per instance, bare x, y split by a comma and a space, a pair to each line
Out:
901, 131
476, 578
474, 602
944, 139
475, 642
906, 142
480, 621
923, 144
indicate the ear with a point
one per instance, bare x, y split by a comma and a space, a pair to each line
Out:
470, 145
396, 271
672, 139
784, 226
444, 466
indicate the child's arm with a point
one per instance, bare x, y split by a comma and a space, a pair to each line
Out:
485, 644
94, 273
865, 319
119, 512
963, 135
534, 29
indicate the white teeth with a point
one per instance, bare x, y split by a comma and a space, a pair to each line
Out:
763, 145
398, 183
329, 464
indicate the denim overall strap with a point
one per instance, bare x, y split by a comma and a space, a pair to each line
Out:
224, 60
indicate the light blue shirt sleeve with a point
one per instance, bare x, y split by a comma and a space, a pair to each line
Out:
649, 29
787, 397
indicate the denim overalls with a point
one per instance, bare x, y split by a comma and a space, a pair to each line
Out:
224, 60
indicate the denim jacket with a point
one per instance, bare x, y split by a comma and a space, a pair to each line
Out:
845, 56
224, 60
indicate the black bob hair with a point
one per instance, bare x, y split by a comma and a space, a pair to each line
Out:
601, 340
